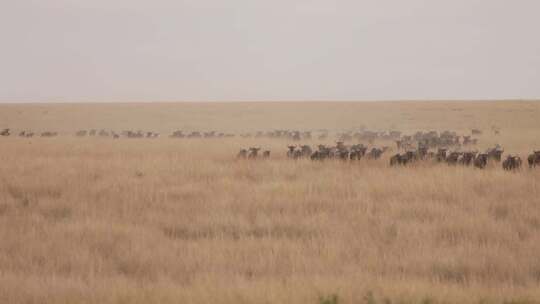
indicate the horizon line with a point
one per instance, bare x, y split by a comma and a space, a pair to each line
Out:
269, 101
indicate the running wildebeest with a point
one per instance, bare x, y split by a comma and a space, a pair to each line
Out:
534, 159
511, 163
266, 154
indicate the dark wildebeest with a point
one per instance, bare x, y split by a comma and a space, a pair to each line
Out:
317, 155
476, 132
81, 133
375, 153
242, 153
481, 161
290, 153
253, 152
422, 151
177, 134
467, 158
343, 154
357, 152
403, 159
306, 150
534, 159
49, 134
5, 132
511, 163
266, 154
452, 158
441, 155
495, 153
396, 160
322, 153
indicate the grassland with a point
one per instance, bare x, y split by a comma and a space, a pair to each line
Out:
96, 220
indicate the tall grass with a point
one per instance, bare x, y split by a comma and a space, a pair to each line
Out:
182, 221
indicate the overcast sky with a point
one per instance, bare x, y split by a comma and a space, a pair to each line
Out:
188, 50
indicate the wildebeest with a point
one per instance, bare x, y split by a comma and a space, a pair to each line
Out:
253, 152
511, 163
396, 160
403, 159
26, 134
467, 158
290, 153
177, 134
495, 153
375, 153
322, 153
49, 134
441, 155
242, 154
81, 133
306, 150
357, 152
481, 161
195, 134
452, 158
266, 154
5, 132
534, 159
476, 132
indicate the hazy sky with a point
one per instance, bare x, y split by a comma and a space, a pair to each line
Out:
134, 50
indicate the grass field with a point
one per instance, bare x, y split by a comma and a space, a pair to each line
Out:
97, 220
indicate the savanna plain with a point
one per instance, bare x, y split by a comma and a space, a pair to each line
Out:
166, 220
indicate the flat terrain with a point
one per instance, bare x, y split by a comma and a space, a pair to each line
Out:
98, 220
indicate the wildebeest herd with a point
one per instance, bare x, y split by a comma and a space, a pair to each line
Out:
423, 146
446, 147
357, 152
24, 133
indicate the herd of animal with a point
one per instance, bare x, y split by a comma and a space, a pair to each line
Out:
445, 147
25, 133
359, 151
431, 138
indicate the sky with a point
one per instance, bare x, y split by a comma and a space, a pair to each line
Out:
250, 50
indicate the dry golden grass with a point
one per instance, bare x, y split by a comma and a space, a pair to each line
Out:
89, 220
